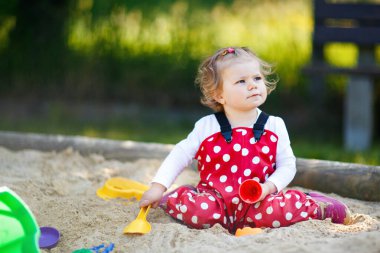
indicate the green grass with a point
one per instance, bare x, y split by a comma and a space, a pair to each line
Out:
146, 125
163, 127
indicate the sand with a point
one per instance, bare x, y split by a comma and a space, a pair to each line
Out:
60, 189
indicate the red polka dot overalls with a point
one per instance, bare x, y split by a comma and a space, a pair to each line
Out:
225, 160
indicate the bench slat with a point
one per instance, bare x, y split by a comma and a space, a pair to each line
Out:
358, 35
365, 11
316, 69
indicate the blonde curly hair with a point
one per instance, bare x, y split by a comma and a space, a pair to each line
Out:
209, 73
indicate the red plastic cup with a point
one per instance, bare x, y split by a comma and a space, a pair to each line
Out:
250, 191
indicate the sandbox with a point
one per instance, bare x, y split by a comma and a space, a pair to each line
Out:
59, 184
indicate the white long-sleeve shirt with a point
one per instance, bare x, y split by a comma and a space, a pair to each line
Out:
183, 152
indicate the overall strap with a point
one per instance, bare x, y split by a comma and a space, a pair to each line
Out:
225, 126
258, 128
226, 130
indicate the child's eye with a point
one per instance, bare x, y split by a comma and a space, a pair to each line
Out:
257, 78
240, 81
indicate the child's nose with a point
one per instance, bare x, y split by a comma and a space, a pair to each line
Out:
251, 86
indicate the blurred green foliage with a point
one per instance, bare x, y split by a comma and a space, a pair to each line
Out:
101, 49
147, 52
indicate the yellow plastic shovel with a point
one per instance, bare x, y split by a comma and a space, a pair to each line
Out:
140, 225
119, 187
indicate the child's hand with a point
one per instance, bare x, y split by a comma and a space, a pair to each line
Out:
267, 188
153, 195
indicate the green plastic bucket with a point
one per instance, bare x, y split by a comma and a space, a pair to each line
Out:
19, 231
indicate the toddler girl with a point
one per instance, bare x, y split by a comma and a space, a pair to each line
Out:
237, 143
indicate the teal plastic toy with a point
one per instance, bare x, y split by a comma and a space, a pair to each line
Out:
19, 231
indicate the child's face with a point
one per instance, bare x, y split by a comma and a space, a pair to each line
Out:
243, 86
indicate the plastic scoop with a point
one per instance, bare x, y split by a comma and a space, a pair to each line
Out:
248, 231
140, 225
250, 191
119, 187
49, 237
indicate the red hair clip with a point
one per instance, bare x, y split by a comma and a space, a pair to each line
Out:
229, 50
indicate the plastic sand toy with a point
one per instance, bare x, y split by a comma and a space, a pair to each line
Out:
97, 249
140, 225
248, 231
121, 188
83, 251
49, 237
250, 191
19, 231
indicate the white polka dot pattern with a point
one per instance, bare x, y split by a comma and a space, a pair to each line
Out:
276, 224
226, 157
216, 216
217, 149
204, 206
256, 160
229, 189
183, 209
235, 200
223, 167
237, 147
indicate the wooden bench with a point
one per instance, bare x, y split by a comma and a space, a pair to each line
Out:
357, 23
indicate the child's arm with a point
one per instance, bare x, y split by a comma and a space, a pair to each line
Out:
285, 159
179, 158
171, 167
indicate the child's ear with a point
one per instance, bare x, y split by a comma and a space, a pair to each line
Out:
219, 98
